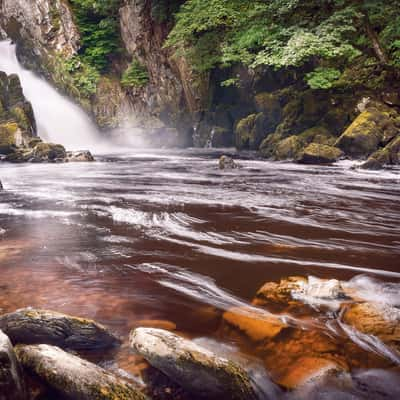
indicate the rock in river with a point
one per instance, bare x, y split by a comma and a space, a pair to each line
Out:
226, 162
11, 380
316, 153
31, 326
79, 156
74, 377
195, 368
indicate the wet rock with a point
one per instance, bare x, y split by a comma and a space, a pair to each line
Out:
316, 153
288, 148
375, 125
308, 369
72, 376
382, 321
389, 155
195, 368
257, 325
12, 386
31, 326
226, 162
48, 152
79, 156
251, 131
221, 137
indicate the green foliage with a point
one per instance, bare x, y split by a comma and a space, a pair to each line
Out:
285, 33
135, 75
163, 10
99, 27
230, 82
323, 78
79, 75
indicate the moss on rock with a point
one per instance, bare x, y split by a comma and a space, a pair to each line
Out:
250, 131
316, 153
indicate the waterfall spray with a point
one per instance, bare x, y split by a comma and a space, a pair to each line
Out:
58, 119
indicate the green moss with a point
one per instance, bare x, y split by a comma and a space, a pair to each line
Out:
135, 75
316, 153
7, 133
288, 148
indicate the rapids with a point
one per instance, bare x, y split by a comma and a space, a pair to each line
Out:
165, 235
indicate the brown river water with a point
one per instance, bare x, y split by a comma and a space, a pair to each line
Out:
166, 235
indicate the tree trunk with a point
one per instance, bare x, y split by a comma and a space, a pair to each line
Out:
378, 49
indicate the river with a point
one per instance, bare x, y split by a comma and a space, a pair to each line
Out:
166, 235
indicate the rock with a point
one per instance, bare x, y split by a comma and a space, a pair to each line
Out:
368, 130
31, 326
308, 369
389, 155
73, 377
382, 321
328, 289
79, 156
316, 153
12, 386
226, 162
288, 148
257, 325
221, 137
195, 368
48, 152
251, 131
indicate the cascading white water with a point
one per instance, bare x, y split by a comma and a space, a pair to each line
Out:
58, 119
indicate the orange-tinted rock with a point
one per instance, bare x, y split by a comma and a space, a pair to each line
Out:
382, 321
307, 369
157, 323
257, 325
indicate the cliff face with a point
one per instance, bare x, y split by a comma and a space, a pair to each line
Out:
17, 123
47, 37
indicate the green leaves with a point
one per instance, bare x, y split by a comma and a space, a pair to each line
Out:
323, 78
135, 75
99, 27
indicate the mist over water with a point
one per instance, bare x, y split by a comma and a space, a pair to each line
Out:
58, 119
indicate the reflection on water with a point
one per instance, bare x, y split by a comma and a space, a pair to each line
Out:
168, 236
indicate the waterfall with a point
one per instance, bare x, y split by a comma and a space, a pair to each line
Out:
59, 120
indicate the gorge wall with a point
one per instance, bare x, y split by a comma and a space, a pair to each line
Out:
150, 88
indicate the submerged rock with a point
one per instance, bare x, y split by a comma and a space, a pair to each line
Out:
195, 368
309, 369
12, 385
226, 162
31, 326
382, 321
256, 325
316, 153
79, 156
74, 377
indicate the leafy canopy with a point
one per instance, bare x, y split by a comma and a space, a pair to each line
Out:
285, 33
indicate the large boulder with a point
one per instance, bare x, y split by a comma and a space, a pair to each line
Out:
195, 368
251, 131
316, 153
389, 155
376, 125
73, 377
12, 386
31, 326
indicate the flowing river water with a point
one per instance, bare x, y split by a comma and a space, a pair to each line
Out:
166, 235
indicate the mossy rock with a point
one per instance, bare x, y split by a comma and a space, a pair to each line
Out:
196, 369
31, 326
317, 134
15, 94
251, 131
49, 151
269, 144
269, 104
8, 137
222, 137
316, 153
73, 377
288, 148
371, 128
389, 155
